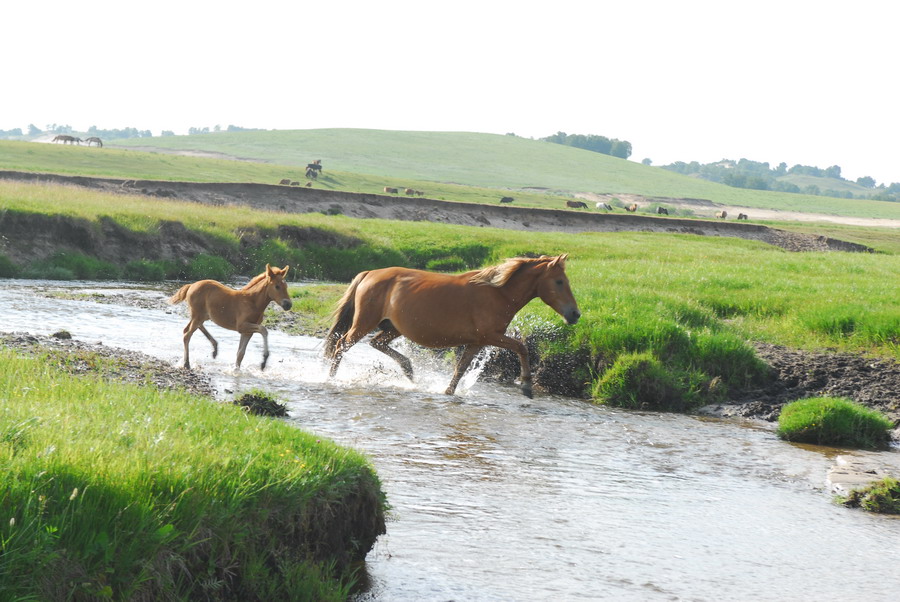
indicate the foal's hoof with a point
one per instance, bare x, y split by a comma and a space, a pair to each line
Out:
526, 391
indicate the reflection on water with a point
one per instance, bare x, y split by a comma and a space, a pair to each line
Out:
498, 497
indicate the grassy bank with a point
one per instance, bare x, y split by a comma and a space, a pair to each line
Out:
114, 491
691, 302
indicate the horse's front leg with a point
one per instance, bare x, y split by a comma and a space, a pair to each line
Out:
247, 331
462, 364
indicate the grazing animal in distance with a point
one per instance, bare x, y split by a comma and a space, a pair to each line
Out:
419, 193
295, 183
309, 184
506, 199
721, 214
470, 310
662, 211
606, 206
633, 207
66, 139
742, 216
389, 190
239, 310
285, 182
576, 204
94, 140
409, 192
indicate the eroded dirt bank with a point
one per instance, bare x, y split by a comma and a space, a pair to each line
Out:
361, 205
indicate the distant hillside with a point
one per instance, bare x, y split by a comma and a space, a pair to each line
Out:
489, 160
447, 165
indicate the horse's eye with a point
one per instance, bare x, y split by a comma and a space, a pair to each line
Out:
277, 287
559, 283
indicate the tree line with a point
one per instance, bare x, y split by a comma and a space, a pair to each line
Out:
54, 128
757, 175
593, 143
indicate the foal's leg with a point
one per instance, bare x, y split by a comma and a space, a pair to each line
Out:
189, 332
462, 364
215, 345
382, 342
247, 330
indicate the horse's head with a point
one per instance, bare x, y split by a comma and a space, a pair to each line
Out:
553, 289
276, 287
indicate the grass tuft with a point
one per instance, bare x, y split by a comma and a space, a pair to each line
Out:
834, 421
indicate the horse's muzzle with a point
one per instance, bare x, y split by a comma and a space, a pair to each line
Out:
572, 316
286, 304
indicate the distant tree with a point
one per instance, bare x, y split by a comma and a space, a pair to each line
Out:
834, 172
781, 169
646, 161
511, 134
33, 130
167, 133
812, 189
217, 128
866, 181
621, 149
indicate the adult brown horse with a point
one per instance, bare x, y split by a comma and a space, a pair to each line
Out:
469, 310
240, 310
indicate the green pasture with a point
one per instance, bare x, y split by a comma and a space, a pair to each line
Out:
121, 492
445, 165
694, 303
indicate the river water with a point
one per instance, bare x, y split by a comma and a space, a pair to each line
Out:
498, 497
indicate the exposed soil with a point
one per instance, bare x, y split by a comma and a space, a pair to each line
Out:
293, 199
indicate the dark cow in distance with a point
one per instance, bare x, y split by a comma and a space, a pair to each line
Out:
506, 199
662, 211
576, 204
285, 182
742, 216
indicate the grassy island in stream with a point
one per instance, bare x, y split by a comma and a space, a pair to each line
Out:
118, 491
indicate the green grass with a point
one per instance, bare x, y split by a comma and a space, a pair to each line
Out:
115, 491
833, 421
454, 166
882, 496
692, 302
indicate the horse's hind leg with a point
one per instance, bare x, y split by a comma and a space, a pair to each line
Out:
462, 364
215, 344
382, 342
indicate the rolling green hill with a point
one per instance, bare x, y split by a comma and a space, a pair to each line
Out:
487, 160
447, 165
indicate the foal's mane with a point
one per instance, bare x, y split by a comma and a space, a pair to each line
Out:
499, 275
254, 281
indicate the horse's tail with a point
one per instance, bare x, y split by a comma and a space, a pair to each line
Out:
343, 316
180, 295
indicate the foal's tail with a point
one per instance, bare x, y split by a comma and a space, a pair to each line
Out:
180, 295
343, 316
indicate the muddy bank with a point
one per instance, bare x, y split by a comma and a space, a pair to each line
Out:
362, 205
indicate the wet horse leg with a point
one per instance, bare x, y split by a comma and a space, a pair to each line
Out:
518, 347
382, 342
247, 330
188, 333
462, 364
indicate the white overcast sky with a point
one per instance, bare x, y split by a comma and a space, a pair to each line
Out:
809, 82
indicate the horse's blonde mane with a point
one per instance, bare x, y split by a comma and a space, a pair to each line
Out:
499, 275
254, 281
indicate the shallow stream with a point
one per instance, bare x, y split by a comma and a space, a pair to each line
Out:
498, 497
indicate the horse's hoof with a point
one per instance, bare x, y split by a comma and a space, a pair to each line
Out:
215, 353
262, 366
526, 391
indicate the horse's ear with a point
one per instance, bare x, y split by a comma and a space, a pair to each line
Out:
560, 260
268, 270
284, 270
